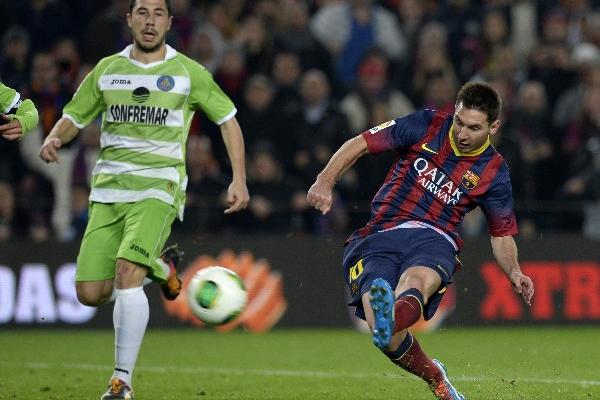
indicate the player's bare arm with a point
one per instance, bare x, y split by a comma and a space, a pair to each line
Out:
320, 193
237, 193
505, 252
63, 132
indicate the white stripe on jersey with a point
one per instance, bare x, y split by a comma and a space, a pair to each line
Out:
13, 103
150, 82
118, 168
156, 147
128, 196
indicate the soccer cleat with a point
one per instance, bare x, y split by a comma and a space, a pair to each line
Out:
381, 298
443, 389
118, 390
172, 286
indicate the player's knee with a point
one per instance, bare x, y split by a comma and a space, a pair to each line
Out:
128, 274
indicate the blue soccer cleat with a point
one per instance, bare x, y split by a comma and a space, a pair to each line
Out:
443, 389
382, 301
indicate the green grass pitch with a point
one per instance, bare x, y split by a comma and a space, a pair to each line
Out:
189, 364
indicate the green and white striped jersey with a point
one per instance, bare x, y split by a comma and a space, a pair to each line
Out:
146, 111
9, 99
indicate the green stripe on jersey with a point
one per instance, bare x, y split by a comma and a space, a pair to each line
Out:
147, 111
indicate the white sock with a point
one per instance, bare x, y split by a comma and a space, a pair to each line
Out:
130, 317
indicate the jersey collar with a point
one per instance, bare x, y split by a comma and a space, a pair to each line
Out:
170, 53
457, 151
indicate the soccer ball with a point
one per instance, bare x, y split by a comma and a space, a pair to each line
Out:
216, 295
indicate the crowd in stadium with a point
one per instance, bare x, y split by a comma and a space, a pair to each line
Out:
306, 76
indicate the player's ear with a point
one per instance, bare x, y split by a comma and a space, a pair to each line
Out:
128, 15
494, 127
170, 21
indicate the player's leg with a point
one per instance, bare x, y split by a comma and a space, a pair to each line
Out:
147, 225
96, 259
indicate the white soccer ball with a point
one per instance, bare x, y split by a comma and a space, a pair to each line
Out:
216, 295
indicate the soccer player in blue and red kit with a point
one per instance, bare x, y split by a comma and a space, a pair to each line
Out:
399, 265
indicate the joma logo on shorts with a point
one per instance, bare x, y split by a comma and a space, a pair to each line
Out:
139, 250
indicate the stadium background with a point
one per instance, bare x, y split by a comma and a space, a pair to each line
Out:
302, 85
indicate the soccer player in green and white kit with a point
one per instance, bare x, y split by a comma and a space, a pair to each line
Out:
147, 94
17, 116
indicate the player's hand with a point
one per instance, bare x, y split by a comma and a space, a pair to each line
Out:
49, 150
237, 197
523, 285
320, 196
12, 129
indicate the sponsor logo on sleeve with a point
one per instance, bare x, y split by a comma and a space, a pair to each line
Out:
382, 126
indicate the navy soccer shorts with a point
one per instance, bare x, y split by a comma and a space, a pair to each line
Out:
389, 253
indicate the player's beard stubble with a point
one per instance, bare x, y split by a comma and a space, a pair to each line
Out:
149, 48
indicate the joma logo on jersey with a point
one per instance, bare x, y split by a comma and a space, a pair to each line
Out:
436, 182
137, 248
120, 82
470, 179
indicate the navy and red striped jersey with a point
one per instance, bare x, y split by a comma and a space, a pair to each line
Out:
433, 182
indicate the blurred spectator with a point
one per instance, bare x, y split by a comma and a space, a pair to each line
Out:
584, 181
67, 58
530, 128
183, 24
259, 118
295, 36
286, 73
278, 202
462, 20
45, 20
232, 73
349, 29
14, 59
373, 102
47, 91
550, 60
440, 93
206, 189
586, 59
207, 46
256, 41
107, 33
319, 127
431, 60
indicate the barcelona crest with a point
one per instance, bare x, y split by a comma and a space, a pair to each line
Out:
470, 179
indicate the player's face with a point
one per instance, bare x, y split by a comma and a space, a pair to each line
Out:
149, 22
471, 128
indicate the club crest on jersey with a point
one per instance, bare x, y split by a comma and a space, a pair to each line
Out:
165, 83
470, 179
382, 126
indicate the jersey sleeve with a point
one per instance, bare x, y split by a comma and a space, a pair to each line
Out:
9, 98
87, 102
397, 134
207, 96
498, 207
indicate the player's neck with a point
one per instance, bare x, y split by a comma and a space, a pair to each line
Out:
146, 58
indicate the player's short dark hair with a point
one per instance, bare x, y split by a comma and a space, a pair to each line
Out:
480, 96
167, 2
